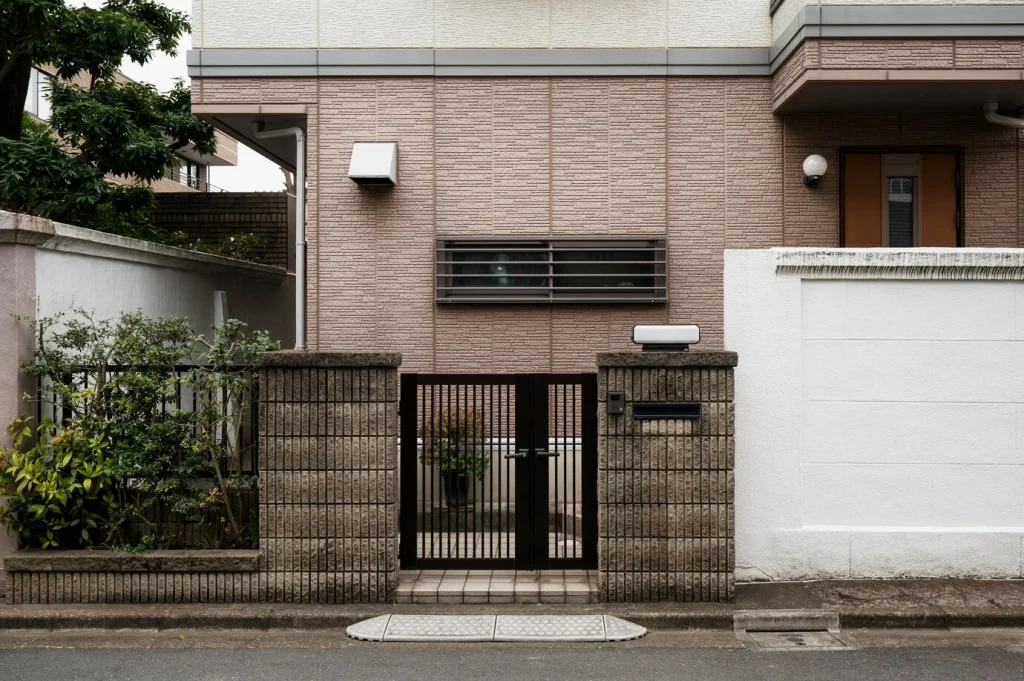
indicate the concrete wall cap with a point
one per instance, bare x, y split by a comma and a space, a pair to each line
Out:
692, 358
19, 228
148, 561
304, 358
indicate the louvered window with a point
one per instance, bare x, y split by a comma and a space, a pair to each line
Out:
551, 271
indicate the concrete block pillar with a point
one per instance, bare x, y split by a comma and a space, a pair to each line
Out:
328, 477
666, 517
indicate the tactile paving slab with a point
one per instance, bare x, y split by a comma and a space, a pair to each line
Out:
468, 628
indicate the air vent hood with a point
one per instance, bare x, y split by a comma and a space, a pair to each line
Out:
374, 164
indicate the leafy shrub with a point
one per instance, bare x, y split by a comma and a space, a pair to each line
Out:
453, 442
169, 468
62, 485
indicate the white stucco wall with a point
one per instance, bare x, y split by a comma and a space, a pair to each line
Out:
109, 275
878, 420
479, 23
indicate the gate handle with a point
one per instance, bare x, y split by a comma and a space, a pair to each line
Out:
524, 453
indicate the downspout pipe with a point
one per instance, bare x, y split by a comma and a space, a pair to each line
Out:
990, 109
300, 222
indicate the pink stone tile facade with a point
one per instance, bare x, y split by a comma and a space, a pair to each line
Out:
701, 162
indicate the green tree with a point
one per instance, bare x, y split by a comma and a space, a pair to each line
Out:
75, 40
110, 128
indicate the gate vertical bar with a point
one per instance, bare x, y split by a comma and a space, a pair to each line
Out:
540, 442
588, 456
407, 471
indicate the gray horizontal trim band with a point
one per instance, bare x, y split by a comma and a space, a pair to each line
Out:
922, 31
910, 15
551, 71
252, 71
378, 71
717, 56
284, 57
556, 57
711, 70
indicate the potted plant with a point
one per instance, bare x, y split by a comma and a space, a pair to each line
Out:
454, 444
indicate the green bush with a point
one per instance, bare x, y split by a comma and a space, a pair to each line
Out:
453, 442
165, 470
62, 485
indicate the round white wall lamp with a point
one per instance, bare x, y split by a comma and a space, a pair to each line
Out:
815, 166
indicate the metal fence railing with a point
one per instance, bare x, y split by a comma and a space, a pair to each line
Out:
204, 528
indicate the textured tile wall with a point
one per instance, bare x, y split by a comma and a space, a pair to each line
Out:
666, 514
699, 160
329, 484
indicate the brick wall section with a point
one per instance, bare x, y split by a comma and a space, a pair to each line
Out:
329, 477
666, 519
215, 216
710, 168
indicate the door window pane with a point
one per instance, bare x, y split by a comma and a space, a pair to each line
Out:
901, 212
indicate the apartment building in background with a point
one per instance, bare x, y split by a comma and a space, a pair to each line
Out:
192, 172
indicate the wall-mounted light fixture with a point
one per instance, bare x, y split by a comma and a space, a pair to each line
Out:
666, 337
815, 166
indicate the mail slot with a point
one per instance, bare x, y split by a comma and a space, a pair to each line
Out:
661, 411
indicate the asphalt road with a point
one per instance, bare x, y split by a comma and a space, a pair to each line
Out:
187, 656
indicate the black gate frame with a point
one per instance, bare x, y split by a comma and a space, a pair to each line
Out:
530, 454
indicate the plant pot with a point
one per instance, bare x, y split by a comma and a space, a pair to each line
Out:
455, 488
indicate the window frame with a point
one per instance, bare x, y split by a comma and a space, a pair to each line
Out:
445, 292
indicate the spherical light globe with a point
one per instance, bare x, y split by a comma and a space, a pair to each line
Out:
815, 165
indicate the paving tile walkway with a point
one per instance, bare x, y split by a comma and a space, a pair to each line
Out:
497, 586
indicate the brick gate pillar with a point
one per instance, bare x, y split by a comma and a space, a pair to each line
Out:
328, 477
666, 519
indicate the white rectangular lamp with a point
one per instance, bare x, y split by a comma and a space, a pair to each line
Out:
665, 337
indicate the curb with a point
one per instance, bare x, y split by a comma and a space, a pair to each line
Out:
339, 617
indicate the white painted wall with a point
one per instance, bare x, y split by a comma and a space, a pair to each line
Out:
110, 275
878, 421
480, 23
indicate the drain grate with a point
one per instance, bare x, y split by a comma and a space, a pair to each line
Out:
789, 640
790, 630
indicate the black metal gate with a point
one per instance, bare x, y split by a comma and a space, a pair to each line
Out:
498, 471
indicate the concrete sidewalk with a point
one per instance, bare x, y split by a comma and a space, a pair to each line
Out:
932, 603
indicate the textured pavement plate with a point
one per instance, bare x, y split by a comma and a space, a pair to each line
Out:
617, 629
369, 630
440, 627
466, 628
549, 628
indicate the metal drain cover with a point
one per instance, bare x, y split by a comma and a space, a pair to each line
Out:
789, 640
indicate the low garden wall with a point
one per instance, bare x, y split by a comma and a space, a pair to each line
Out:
201, 576
328, 505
